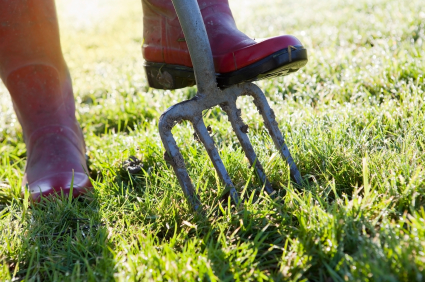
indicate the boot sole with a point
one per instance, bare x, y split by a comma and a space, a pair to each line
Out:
281, 63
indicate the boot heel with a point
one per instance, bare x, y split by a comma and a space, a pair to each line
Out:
166, 76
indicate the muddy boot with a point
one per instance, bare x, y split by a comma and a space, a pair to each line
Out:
34, 71
237, 58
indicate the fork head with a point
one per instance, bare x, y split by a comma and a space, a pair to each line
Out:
191, 110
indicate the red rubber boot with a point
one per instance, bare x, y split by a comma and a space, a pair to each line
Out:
34, 71
237, 58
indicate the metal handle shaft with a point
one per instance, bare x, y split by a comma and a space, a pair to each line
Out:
197, 42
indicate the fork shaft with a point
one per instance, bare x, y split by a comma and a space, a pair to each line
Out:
198, 43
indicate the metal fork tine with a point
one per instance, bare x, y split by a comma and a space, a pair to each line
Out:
270, 122
238, 127
173, 156
208, 142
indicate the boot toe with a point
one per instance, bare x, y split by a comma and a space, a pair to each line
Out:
56, 162
238, 59
55, 185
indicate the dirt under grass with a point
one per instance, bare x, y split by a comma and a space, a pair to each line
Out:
353, 119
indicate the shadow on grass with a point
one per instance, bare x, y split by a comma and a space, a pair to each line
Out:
69, 241
64, 241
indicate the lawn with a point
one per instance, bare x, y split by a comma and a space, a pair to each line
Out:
353, 119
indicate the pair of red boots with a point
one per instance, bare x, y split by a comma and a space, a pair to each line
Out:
35, 73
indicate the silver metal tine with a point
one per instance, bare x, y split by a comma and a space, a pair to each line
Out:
240, 128
270, 122
173, 156
208, 142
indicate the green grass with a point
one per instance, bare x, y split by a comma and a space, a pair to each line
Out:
353, 119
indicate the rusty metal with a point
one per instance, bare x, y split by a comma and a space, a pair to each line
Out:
208, 96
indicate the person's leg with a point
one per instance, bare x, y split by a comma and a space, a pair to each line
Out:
34, 71
237, 58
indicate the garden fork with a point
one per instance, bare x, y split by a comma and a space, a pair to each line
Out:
208, 96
